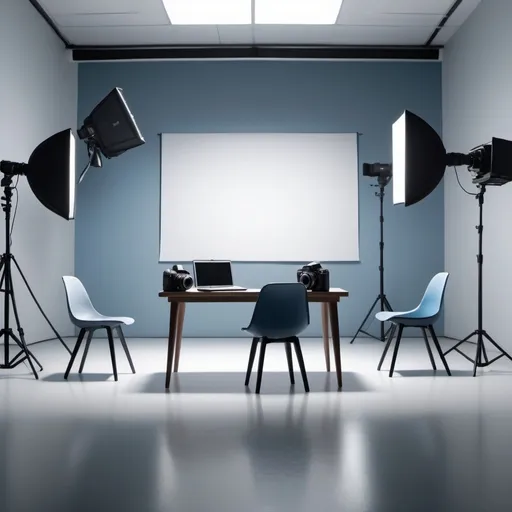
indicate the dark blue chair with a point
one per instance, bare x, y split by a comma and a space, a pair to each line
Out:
280, 315
423, 316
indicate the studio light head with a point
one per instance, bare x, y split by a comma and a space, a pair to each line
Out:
50, 172
383, 172
420, 160
110, 129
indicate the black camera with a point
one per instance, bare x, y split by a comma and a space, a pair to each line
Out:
314, 277
177, 280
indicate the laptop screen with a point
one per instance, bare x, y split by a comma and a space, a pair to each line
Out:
213, 273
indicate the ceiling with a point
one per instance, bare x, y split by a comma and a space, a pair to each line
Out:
133, 23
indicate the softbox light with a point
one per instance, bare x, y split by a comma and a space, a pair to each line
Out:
419, 159
50, 172
110, 129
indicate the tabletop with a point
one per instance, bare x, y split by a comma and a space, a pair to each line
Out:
249, 295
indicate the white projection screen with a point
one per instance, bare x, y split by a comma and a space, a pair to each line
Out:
259, 197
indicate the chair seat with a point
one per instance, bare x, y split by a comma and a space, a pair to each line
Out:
410, 318
271, 334
384, 316
92, 320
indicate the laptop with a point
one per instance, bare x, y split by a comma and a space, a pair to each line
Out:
214, 275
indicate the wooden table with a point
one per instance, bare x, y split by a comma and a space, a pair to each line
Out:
178, 300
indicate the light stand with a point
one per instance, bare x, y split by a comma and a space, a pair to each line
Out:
480, 332
55, 192
381, 299
8, 289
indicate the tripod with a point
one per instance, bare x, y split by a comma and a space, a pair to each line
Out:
381, 297
480, 332
7, 287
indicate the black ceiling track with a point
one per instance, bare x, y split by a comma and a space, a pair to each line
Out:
312, 52
442, 23
42, 12
84, 54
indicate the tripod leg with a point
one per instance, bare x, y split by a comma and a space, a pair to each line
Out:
39, 305
18, 342
484, 353
387, 304
20, 329
478, 357
459, 343
430, 355
365, 318
386, 348
506, 354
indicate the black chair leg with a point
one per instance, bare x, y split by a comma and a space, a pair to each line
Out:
86, 351
125, 347
424, 331
388, 344
260, 364
298, 352
252, 355
436, 343
112, 351
395, 352
288, 348
75, 352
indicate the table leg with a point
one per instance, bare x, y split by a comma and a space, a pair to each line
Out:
179, 331
335, 329
325, 331
173, 320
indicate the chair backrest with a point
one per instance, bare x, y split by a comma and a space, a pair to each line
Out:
282, 310
79, 303
432, 301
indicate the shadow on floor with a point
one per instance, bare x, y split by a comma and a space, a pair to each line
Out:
81, 377
431, 373
273, 383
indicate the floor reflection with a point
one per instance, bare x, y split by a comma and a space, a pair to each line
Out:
413, 444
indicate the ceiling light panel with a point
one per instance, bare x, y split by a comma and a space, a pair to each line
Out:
208, 12
297, 12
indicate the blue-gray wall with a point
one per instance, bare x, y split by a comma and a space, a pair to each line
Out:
117, 222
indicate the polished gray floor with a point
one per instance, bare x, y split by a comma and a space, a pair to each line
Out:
416, 442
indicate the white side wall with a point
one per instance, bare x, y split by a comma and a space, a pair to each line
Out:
38, 97
477, 105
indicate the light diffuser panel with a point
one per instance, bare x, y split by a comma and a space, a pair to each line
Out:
208, 12
399, 156
297, 12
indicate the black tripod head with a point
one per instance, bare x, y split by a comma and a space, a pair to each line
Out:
9, 170
383, 173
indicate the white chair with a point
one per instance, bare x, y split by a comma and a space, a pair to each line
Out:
83, 315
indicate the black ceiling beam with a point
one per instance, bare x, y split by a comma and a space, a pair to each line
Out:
442, 23
84, 54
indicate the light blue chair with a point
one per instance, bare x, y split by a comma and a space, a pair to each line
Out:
423, 316
280, 315
83, 314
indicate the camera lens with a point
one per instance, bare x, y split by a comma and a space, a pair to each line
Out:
187, 282
307, 279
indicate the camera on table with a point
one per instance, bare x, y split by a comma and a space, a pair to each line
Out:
314, 277
177, 280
